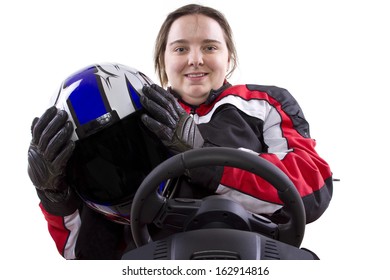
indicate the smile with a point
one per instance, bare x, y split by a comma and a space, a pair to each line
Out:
196, 75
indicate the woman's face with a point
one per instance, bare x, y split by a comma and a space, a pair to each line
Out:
196, 57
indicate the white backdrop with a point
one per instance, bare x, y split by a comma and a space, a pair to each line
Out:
333, 56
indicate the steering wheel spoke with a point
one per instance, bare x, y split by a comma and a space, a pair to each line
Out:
176, 213
264, 226
151, 206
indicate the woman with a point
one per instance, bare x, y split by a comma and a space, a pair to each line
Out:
194, 56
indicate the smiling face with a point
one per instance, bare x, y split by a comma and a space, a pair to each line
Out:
196, 57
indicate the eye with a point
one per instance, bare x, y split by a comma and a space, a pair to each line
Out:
210, 48
180, 49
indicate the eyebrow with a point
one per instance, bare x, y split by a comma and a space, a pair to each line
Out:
183, 41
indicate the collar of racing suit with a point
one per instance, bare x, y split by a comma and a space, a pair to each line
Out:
214, 93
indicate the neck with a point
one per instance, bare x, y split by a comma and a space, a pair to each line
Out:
206, 99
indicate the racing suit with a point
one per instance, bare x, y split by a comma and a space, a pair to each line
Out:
266, 120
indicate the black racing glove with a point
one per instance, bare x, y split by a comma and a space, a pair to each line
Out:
179, 133
49, 151
169, 121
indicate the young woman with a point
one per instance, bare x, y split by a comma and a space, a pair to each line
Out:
195, 107
194, 55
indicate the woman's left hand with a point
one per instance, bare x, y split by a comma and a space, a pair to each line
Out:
169, 121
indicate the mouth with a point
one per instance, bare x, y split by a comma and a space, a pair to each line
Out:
195, 75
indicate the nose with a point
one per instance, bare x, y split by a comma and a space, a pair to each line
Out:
195, 58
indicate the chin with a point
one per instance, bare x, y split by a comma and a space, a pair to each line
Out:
198, 90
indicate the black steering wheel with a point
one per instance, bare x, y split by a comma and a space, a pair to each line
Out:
151, 207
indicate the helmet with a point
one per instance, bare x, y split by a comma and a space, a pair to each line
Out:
113, 150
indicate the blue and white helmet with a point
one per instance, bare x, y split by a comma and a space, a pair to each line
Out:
114, 152
99, 95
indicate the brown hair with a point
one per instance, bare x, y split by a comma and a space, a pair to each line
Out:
161, 41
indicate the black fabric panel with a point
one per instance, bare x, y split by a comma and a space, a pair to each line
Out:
229, 127
289, 105
317, 202
99, 238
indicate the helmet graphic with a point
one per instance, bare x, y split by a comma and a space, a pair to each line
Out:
114, 152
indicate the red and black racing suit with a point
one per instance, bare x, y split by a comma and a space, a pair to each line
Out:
264, 119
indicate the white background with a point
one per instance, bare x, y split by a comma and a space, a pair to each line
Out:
333, 56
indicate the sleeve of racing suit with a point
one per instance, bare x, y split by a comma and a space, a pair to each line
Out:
63, 222
286, 134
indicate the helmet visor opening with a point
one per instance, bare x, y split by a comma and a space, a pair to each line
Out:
108, 166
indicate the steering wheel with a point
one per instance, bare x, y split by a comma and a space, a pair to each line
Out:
151, 207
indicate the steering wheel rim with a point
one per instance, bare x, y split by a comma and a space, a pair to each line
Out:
291, 232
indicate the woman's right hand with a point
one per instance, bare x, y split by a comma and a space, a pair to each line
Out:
49, 152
